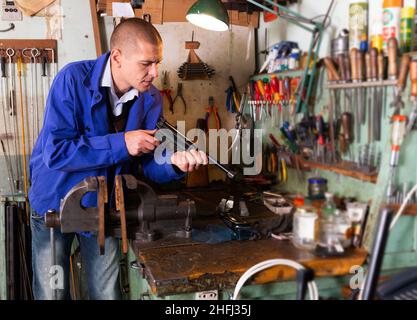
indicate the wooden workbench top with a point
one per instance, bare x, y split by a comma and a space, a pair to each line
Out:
197, 267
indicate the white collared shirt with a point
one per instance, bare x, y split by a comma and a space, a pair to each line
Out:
116, 102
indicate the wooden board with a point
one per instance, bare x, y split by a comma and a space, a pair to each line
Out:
19, 44
198, 267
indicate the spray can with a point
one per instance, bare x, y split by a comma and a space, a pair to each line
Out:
391, 18
407, 28
358, 22
376, 24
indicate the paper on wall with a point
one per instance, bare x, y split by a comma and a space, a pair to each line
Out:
122, 9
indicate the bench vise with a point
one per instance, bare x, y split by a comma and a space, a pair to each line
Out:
139, 213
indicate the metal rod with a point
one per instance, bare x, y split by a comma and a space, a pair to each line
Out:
163, 124
12, 98
363, 84
22, 122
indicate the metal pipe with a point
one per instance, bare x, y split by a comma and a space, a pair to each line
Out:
163, 124
377, 254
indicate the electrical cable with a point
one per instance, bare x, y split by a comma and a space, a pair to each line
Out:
312, 287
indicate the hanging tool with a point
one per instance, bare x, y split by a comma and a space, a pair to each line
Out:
397, 137
212, 109
6, 151
332, 77
259, 91
362, 92
345, 136
379, 96
392, 73
179, 95
166, 91
369, 95
44, 81
321, 141
22, 124
413, 93
33, 54
355, 79
54, 65
372, 119
342, 73
397, 101
233, 97
13, 113
271, 159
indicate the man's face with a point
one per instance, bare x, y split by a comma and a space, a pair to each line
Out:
138, 67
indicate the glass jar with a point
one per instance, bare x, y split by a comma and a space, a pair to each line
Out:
305, 228
317, 187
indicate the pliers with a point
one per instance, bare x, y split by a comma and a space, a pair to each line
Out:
179, 95
166, 91
212, 109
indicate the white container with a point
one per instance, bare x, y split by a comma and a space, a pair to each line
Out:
305, 227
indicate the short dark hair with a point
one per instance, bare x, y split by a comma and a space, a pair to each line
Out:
134, 28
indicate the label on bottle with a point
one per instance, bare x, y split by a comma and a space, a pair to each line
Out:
358, 23
391, 18
307, 228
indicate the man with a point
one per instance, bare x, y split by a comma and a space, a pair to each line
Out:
100, 120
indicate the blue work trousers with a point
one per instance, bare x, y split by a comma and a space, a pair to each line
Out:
102, 270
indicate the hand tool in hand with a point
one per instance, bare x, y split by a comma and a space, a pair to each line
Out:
189, 145
179, 95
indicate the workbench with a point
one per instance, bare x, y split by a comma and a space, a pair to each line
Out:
178, 268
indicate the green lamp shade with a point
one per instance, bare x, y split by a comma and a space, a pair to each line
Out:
209, 14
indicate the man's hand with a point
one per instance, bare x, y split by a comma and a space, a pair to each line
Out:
188, 161
140, 141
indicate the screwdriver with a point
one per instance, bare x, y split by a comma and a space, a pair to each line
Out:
397, 138
320, 137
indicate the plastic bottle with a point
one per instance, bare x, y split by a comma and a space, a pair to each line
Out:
343, 227
329, 207
294, 59
407, 27
305, 228
391, 18
358, 22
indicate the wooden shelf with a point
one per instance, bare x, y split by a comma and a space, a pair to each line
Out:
345, 168
410, 210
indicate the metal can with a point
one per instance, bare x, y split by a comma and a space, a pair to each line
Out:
317, 187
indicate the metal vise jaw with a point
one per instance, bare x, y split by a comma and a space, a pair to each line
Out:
139, 214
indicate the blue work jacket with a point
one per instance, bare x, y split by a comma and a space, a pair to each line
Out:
75, 143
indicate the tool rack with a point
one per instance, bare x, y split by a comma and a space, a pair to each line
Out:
18, 45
